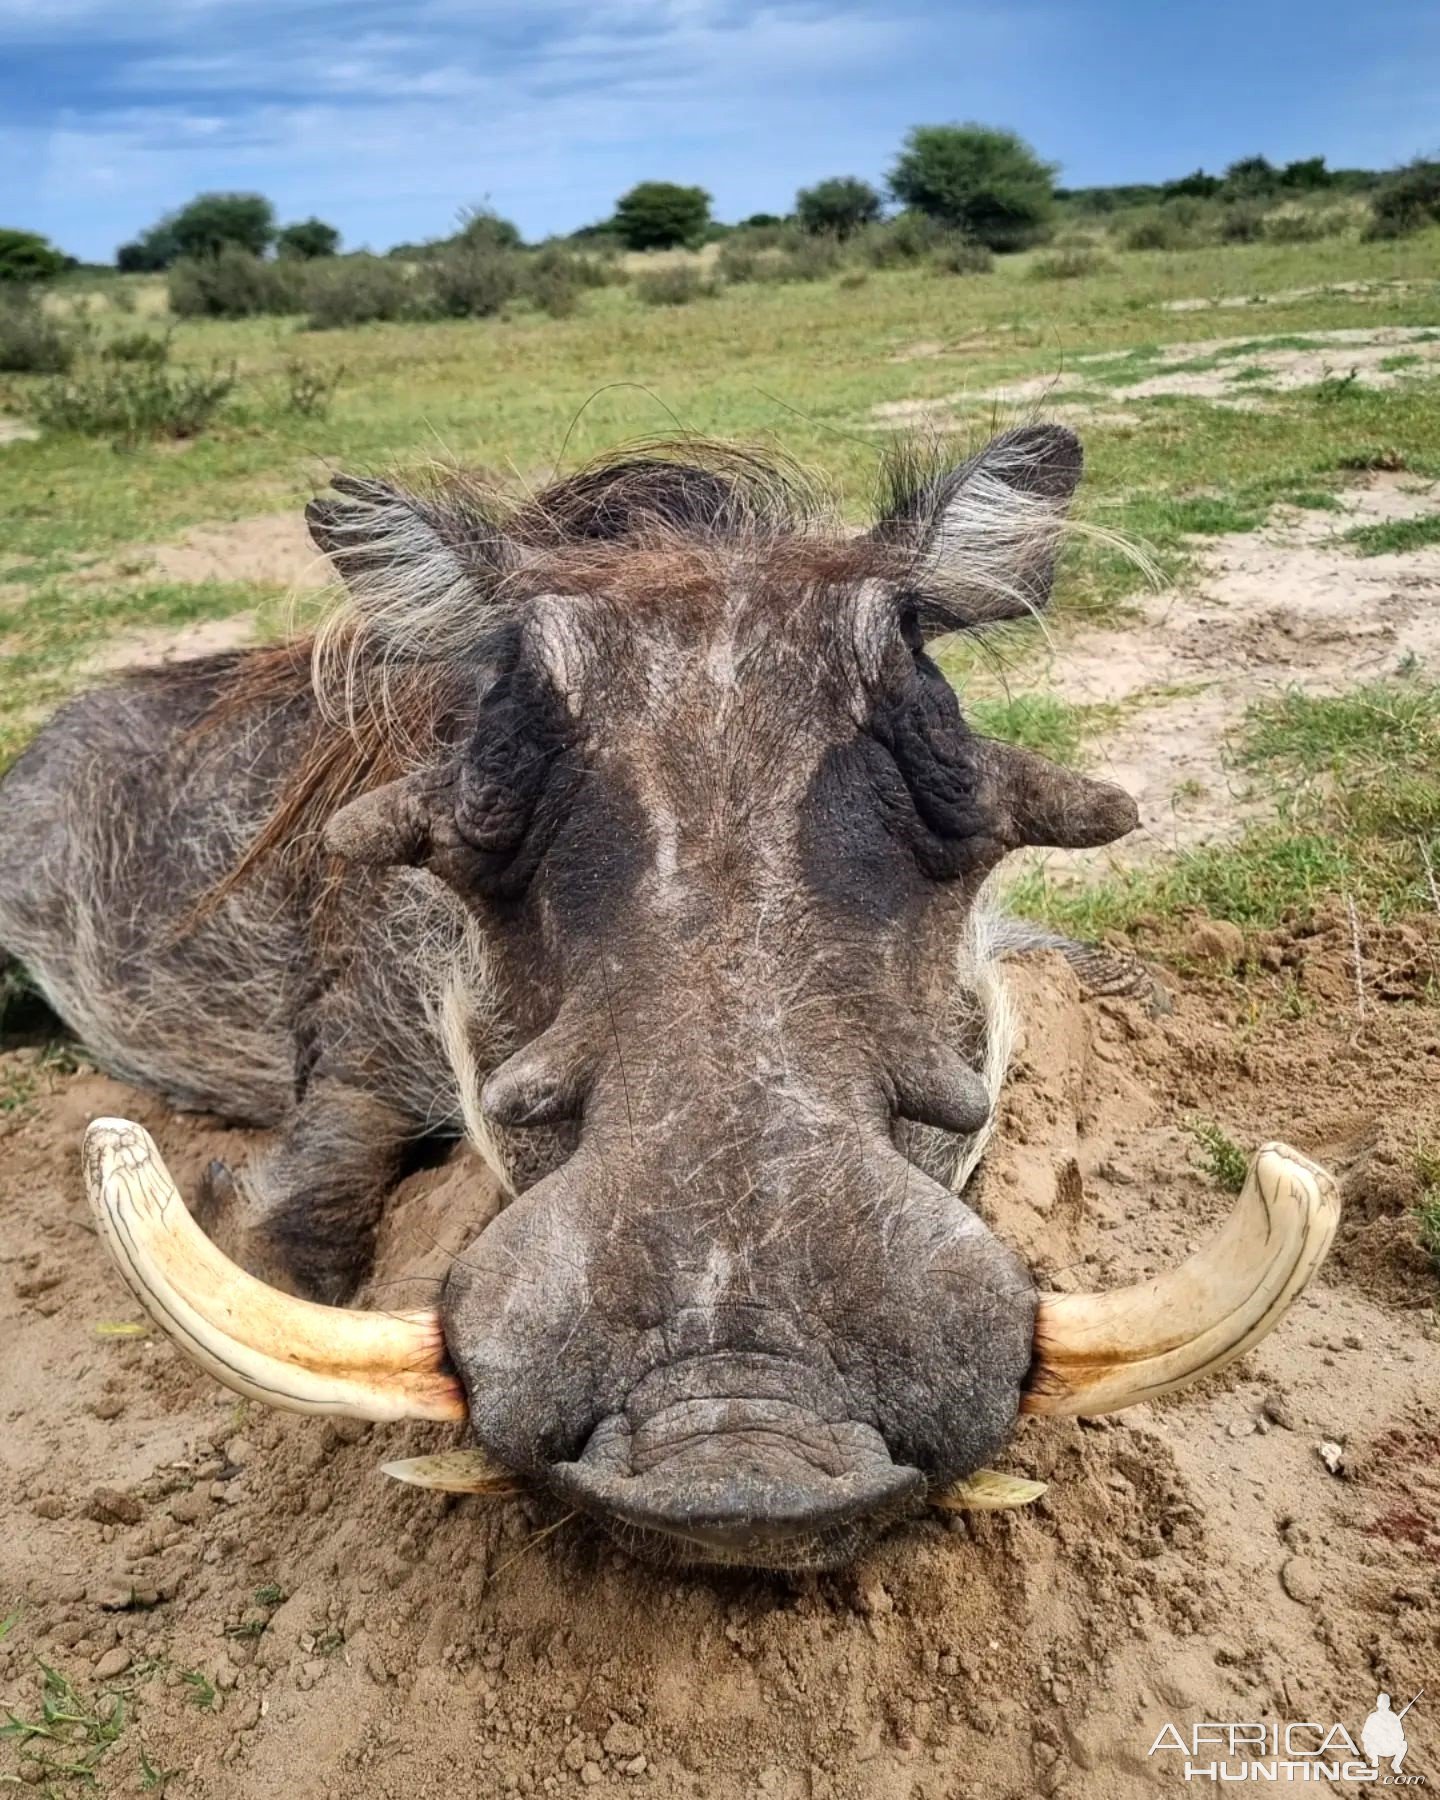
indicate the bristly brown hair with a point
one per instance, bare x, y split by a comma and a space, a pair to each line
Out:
433, 575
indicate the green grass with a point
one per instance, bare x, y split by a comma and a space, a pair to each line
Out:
1355, 780
1395, 535
1225, 1162
65, 1735
1056, 728
1427, 1211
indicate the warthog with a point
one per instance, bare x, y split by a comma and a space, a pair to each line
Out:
632, 833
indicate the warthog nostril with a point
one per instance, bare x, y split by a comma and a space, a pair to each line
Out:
704, 1501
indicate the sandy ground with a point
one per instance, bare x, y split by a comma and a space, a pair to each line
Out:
1352, 353
1194, 1559
1288, 605
282, 1620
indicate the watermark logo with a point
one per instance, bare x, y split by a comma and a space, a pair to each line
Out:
1293, 1750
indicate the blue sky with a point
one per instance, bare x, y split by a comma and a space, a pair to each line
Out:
387, 116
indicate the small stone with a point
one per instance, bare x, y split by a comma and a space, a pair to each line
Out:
1301, 1580
1217, 941
120, 1595
1332, 1455
108, 1406
49, 1506
191, 1508
590, 1774
622, 1740
1277, 1412
112, 1663
574, 1756
637, 1765
238, 1452
108, 1506
226, 1674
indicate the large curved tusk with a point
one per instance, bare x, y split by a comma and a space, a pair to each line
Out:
1096, 1353
264, 1344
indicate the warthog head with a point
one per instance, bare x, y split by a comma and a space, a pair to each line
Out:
718, 826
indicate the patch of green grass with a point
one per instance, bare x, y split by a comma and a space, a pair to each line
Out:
1056, 728
1427, 1211
1407, 360
202, 1690
1395, 535
1356, 779
68, 1737
272, 1594
1225, 1162
1313, 500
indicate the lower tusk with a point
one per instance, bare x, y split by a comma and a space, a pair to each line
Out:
1096, 1353
264, 1344
987, 1490
455, 1472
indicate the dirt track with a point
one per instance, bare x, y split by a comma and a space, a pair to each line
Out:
1194, 1559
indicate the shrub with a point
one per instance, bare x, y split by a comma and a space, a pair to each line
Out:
472, 280
308, 239
483, 225
1067, 265
738, 260
553, 279
959, 255
1304, 227
1161, 229
309, 390
1408, 200
811, 259
152, 251
357, 290
31, 343
910, 238
233, 284
133, 403
838, 207
136, 347
1242, 222
26, 256
980, 180
677, 285
658, 215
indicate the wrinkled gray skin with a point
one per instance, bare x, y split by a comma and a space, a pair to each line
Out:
693, 837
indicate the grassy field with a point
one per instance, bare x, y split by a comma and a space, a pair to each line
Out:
825, 370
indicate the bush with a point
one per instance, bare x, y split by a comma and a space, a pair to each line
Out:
357, 290
1306, 227
837, 207
658, 215
308, 239
677, 285
1408, 200
472, 279
910, 238
308, 390
130, 404
149, 253
985, 182
30, 342
811, 259
957, 255
1067, 265
233, 284
26, 256
1161, 229
553, 279
483, 225
1242, 222
136, 347
738, 260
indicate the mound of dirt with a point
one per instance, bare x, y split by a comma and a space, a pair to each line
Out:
285, 1621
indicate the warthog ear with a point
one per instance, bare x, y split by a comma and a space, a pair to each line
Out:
984, 535
418, 571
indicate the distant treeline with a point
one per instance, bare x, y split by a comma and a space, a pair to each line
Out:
1251, 178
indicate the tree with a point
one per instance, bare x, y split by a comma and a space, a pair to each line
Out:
1249, 178
657, 215
978, 179
758, 221
482, 225
840, 205
153, 250
26, 256
306, 240
1197, 185
211, 221
1305, 173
